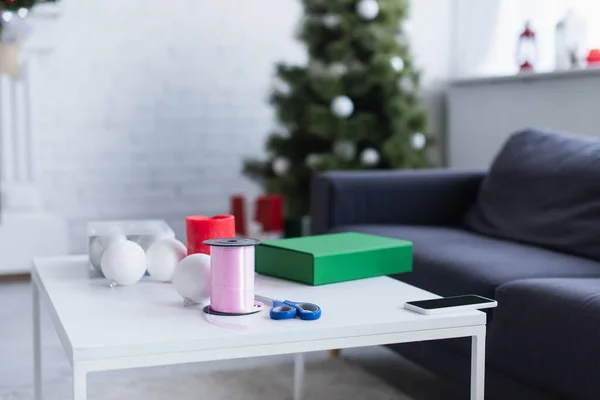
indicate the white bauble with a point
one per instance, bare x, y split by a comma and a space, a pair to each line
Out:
369, 157
148, 240
367, 9
162, 258
406, 84
331, 20
338, 69
312, 160
397, 63
98, 246
124, 262
344, 149
281, 165
342, 106
192, 278
419, 141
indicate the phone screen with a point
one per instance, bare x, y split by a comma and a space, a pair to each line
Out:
450, 302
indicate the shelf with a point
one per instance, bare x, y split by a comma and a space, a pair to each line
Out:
528, 76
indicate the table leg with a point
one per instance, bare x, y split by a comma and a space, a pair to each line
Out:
37, 344
79, 383
298, 375
478, 365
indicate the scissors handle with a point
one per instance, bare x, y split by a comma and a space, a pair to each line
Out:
306, 311
282, 310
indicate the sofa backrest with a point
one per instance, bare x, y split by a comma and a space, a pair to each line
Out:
544, 189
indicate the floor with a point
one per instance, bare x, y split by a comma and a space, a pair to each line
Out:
16, 356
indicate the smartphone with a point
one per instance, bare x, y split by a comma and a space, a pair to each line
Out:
450, 304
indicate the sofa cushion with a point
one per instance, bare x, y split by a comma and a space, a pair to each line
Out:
451, 261
548, 331
543, 188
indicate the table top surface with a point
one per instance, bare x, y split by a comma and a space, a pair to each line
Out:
149, 317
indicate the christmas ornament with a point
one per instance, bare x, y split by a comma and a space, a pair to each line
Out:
281, 165
344, 149
527, 49
342, 106
367, 9
338, 69
419, 141
331, 20
406, 84
593, 58
312, 160
162, 258
22, 12
98, 246
192, 278
124, 263
397, 63
369, 157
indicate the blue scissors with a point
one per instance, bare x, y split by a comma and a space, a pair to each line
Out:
290, 309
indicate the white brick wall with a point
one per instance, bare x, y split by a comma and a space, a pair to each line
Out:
146, 108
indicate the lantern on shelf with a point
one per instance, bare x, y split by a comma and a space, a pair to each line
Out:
527, 49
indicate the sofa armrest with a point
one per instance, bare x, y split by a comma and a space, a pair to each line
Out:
417, 197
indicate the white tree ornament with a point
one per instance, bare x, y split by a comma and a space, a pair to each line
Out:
281, 165
367, 9
162, 258
342, 106
344, 149
312, 160
397, 63
192, 278
419, 141
124, 263
331, 21
369, 157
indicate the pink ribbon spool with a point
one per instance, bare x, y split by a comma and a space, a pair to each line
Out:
232, 275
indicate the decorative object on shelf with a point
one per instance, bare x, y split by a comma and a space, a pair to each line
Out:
367, 9
397, 63
344, 149
162, 258
232, 275
333, 258
200, 228
192, 279
238, 210
570, 35
101, 234
370, 157
123, 263
593, 58
419, 141
342, 106
527, 51
269, 213
335, 89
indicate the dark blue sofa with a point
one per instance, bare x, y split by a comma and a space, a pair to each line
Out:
526, 232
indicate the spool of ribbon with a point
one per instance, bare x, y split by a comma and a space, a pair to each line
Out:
200, 228
232, 275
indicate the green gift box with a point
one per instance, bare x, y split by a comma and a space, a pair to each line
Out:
338, 257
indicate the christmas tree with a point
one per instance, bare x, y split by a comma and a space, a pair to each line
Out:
354, 106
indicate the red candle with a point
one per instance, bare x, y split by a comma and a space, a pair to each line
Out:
593, 57
269, 212
238, 209
200, 228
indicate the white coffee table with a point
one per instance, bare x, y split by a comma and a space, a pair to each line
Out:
146, 324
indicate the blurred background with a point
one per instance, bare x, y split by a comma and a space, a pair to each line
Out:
149, 109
